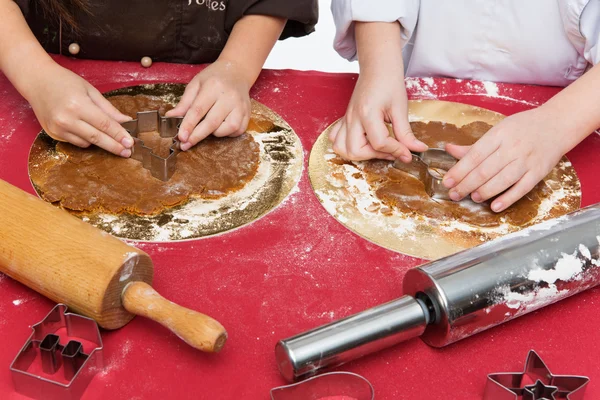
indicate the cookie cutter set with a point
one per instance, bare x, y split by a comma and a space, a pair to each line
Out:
50, 369
167, 127
458, 296
426, 166
536, 382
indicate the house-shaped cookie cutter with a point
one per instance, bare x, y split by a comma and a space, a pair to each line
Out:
50, 368
167, 127
429, 167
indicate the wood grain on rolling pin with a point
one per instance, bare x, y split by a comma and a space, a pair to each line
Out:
71, 262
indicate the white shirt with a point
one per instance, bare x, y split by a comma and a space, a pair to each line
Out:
546, 42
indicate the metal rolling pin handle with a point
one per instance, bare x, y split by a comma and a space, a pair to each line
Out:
342, 341
460, 295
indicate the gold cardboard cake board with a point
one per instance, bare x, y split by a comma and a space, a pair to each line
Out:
351, 200
280, 169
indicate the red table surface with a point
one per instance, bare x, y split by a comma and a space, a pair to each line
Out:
294, 269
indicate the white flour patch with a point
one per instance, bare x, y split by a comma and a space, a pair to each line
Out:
421, 87
118, 359
491, 89
510, 99
585, 252
567, 268
18, 302
531, 301
20, 110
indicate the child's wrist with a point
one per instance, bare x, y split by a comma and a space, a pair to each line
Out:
567, 132
244, 71
26, 75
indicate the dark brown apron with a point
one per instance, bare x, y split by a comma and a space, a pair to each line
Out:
180, 31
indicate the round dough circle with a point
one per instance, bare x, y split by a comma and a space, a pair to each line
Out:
279, 171
349, 200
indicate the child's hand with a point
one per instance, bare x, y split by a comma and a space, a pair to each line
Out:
216, 101
379, 97
517, 153
70, 109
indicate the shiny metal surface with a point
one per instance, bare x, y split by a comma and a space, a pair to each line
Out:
512, 385
462, 294
429, 167
79, 367
350, 338
332, 384
147, 121
482, 287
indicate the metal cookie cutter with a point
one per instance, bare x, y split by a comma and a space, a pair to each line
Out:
509, 386
429, 167
47, 368
167, 127
339, 385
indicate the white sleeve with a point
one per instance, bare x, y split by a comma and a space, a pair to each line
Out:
589, 26
346, 12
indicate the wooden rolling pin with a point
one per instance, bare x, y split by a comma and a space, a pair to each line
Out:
93, 273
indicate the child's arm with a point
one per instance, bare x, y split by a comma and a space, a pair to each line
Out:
522, 149
219, 93
379, 97
67, 106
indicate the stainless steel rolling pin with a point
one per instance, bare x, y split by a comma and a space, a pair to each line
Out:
460, 295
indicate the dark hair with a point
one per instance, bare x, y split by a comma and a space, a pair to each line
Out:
64, 9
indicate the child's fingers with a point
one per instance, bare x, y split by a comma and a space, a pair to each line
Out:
211, 122
104, 126
94, 136
199, 108
404, 134
334, 130
232, 125
478, 153
186, 101
356, 142
457, 151
477, 177
339, 143
358, 147
499, 183
107, 106
380, 140
520, 189
245, 122
76, 140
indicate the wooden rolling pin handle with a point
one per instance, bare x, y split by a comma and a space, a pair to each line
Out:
198, 330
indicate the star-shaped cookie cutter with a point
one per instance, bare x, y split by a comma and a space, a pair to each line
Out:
426, 166
167, 127
509, 385
55, 366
